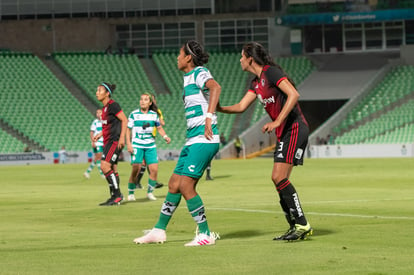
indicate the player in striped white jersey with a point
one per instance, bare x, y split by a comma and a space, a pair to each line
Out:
141, 143
97, 147
200, 94
154, 133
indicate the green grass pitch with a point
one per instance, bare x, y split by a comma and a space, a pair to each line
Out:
362, 212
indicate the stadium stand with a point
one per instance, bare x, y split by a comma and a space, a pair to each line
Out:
9, 144
38, 106
384, 114
89, 69
368, 122
396, 85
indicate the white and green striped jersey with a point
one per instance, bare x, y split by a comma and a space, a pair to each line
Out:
196, 97
96, 128
142, 126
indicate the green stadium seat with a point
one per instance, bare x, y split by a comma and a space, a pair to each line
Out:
29, 114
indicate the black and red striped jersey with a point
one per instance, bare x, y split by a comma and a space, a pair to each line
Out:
273, 98
111, 125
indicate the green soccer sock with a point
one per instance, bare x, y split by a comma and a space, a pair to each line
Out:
131, 188
90, 168
167, 209
196, 207
151, 185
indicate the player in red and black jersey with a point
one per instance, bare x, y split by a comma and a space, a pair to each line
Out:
277, 92
114, 124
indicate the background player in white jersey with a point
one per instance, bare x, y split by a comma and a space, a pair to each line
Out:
154, 133
97, 147
201, 94
141, 143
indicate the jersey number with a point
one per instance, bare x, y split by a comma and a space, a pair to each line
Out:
280, 147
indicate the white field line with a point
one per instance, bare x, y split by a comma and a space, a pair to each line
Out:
353, 201
316, 214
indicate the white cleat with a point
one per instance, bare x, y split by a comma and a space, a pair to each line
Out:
86, 175
151, 197
154, 235
131, 197
204, 239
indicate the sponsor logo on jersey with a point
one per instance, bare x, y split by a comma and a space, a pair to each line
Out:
104, 122
203, 77
189, 113
265, 101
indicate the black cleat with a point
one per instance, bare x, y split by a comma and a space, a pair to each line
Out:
158, 185
283, 236
300, 232
105, 202
114, 200
209, 178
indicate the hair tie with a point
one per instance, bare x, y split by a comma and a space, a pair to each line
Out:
107, 88
188, 48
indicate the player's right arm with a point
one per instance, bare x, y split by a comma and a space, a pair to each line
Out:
162, 122
240, 107
128, 140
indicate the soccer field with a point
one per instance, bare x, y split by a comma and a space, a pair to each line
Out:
362, 212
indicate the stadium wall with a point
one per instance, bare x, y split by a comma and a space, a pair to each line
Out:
42, 36
407, 54
46, 36
35, 158
361, 151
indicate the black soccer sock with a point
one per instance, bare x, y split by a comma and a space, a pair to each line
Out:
141, 174
288, 194
208, 171
119, 183
113, 183
109, 180
289, 218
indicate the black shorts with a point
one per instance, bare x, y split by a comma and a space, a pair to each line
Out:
291, 147
111, 152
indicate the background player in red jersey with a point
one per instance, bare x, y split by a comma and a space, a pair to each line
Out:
114, 124
277, 93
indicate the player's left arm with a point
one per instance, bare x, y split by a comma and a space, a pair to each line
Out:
98, 136
124, 122
292, 98
215, 90
163, 134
